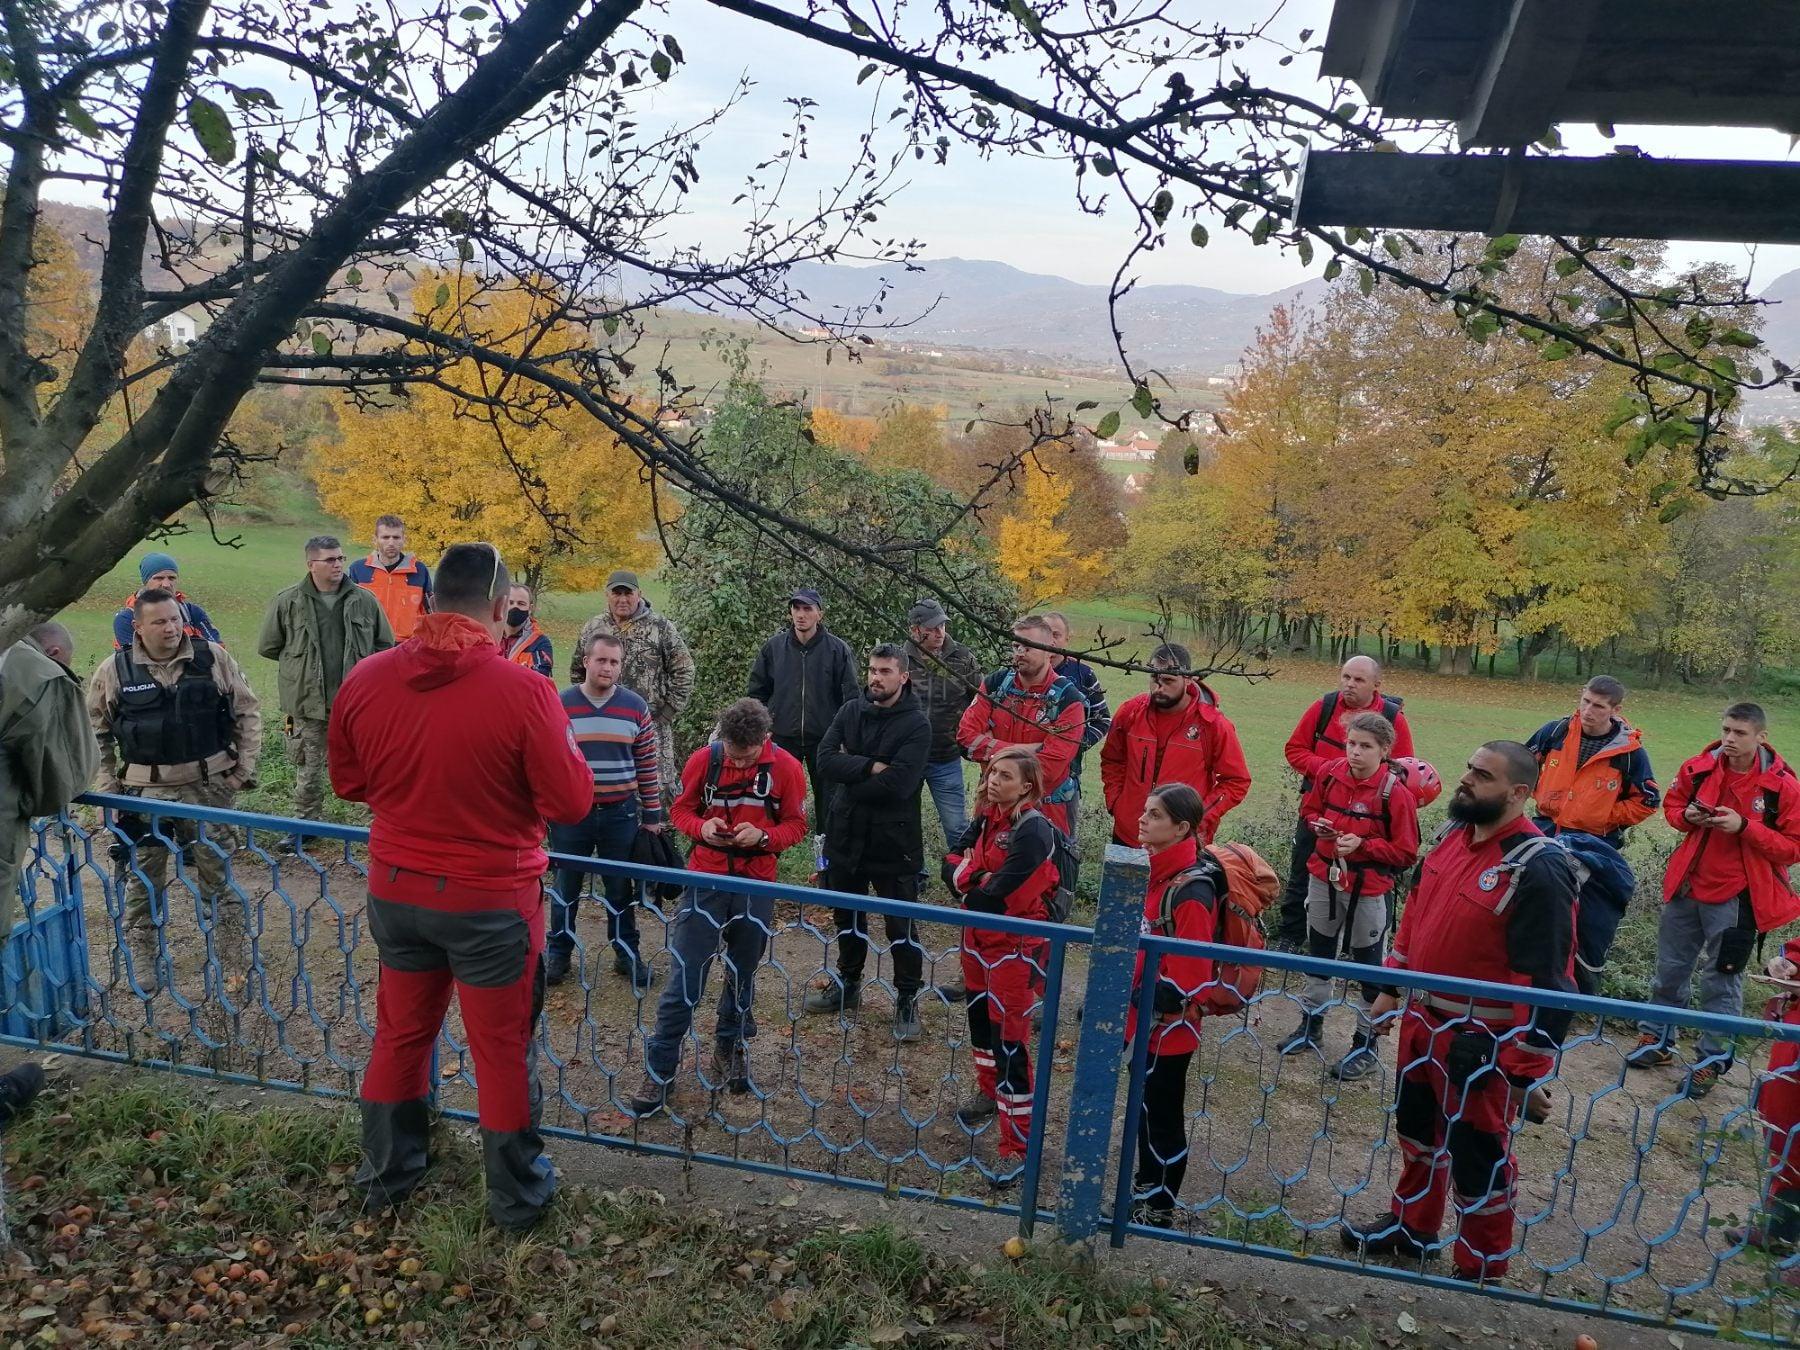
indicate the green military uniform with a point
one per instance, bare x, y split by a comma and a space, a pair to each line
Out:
658, 668
47, 755
316, 637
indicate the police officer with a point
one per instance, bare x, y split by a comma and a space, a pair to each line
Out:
176, 722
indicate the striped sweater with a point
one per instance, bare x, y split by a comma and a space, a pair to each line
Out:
618, 740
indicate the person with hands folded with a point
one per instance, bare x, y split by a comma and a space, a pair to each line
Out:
1005, 863
1181, 902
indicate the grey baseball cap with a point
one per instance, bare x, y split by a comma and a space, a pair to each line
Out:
927, 614
623, 581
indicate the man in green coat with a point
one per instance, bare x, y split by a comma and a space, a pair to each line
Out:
317, 630
47, 756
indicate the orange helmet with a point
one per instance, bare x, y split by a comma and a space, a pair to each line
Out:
1421, 779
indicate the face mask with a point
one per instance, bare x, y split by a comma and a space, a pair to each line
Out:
515, 617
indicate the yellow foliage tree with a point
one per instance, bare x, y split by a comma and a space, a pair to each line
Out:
559, 496
843, 431
1032, 544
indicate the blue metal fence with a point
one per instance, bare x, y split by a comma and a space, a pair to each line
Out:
257, 968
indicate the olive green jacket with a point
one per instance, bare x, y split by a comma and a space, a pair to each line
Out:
47, 756
290, 636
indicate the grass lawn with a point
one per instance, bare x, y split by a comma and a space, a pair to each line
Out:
145, 1215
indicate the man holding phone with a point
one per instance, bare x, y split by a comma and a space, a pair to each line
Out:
1738, 804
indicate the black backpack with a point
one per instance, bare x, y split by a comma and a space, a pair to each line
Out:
1066, 854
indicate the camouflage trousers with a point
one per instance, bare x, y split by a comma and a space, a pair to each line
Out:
155, 911
306, 751
668, 772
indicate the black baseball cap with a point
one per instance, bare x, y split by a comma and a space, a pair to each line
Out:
806, 595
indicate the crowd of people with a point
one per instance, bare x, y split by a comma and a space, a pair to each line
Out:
390, 690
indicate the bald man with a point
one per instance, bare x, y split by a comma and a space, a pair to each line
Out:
1318, 739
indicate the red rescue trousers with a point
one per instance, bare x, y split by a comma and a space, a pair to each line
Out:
1004, 976
1454, 1136
1778, 1103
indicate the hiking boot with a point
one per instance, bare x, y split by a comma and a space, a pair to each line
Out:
731, 1066
1386, 1236
1773, 1230
1652, 1052
19, 1087
556, 967
978, 1109
1700, 1082
835, 996
906, 1018
652, 1095
954, 991
636, 969
1306, 1035
1360, 1062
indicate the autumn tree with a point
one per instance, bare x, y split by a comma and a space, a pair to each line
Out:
1035, 540
556, 492
285, 169
843, 431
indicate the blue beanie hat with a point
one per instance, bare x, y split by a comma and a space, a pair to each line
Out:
152, 563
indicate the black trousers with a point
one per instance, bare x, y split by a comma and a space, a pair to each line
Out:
1162, 1147
1292, 928
904, 951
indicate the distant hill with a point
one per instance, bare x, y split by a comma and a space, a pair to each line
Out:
991, 306
1781, 338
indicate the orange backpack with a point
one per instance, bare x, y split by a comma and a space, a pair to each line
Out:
1251, 886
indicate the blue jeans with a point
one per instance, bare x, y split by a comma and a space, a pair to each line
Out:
707, 921
607, 832
946, 783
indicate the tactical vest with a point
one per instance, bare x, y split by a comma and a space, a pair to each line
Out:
160, 726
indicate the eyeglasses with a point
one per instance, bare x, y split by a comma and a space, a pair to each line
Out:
330, 558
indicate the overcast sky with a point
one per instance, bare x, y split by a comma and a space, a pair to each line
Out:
1023, 211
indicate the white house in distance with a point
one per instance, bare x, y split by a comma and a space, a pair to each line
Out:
181, 328
1139, 449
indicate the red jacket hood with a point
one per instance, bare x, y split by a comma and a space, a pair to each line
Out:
443, 649
1769, 763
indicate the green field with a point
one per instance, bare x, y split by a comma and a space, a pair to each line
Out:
1449, 716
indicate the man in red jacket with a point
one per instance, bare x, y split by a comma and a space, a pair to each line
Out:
1029, 704
1318, 739
1495, 902
1738, 804
462, 756
1173, 734
742, 803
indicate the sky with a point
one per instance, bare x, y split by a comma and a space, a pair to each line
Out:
1023, 211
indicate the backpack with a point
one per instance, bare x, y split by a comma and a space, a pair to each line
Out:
1251, 886
1390, 709
1066, 853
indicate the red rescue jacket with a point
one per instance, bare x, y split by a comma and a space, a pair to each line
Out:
770, 794
1381, 809
462, 756
1049, 717
1318, 738
1196, 745
1769, 793
1196, 920
983, 862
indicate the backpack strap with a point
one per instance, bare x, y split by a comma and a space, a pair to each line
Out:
1517, 858
1327, 708
715, 766
1171, 895
1390, 707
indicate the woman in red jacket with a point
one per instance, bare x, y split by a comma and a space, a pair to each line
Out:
1005, 864
1777, 1102
1366, 822
1181, 902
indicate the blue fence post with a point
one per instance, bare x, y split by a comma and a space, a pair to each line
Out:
1087, 1151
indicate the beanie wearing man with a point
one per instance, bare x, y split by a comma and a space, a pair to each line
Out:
152, 563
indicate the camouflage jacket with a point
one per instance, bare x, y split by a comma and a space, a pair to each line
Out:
658, 668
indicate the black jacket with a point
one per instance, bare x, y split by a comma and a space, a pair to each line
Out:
874, 822
946, 684
803, 686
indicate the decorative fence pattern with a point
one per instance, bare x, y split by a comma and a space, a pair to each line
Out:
258, 968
